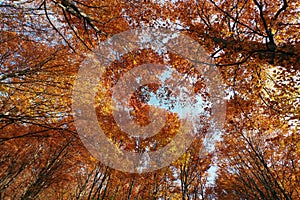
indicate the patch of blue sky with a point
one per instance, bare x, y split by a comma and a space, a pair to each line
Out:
183, 104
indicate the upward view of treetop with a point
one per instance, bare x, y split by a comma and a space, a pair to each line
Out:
253, 45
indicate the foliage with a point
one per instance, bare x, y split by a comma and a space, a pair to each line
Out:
254, 44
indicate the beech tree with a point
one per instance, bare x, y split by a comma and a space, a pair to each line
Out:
253, 43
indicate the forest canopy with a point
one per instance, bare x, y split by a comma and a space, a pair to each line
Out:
254, 47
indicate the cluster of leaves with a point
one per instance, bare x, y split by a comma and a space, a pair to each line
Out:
254, 44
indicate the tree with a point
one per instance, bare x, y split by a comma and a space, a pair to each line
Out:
253, 43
